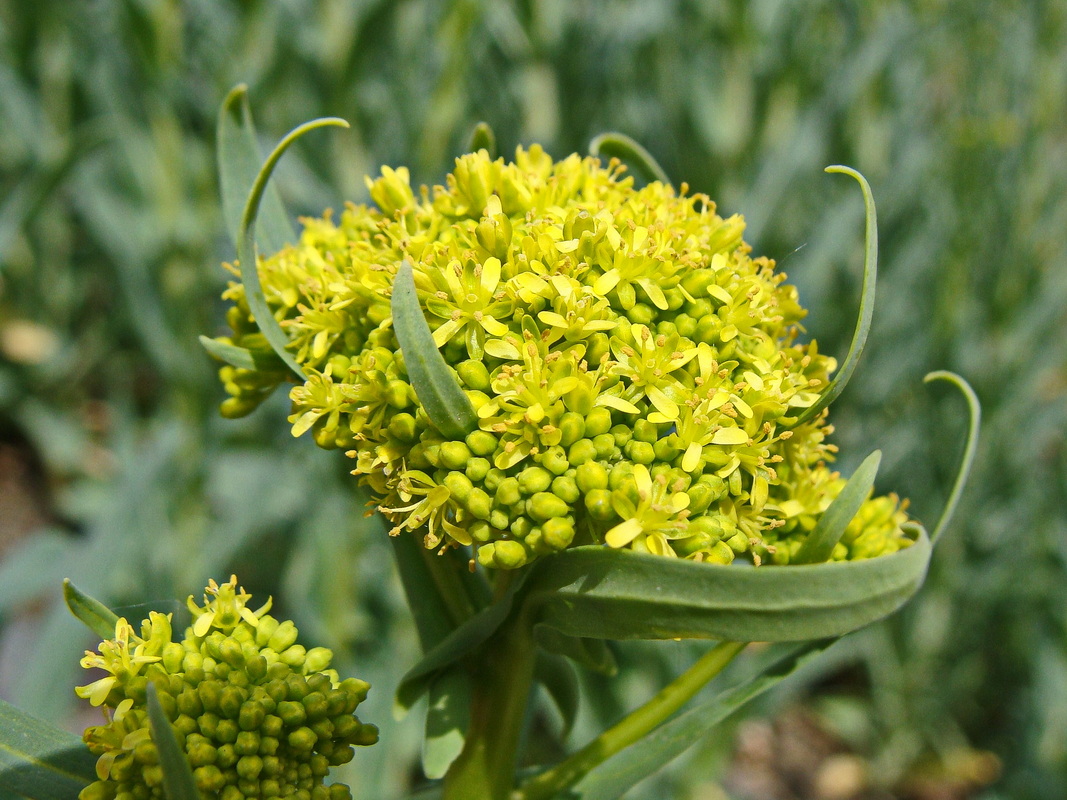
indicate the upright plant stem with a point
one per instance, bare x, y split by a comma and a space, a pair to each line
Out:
486, 767
634, 726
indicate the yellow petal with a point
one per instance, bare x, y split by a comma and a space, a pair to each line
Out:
203, 623
623, 533
691, 459
729, 435
643, 479
491, 274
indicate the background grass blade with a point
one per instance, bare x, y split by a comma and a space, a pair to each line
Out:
833, 522
239, 161
40, 761
178, 782
95, 615
436, 387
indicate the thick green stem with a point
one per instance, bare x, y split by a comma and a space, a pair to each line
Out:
634, 726
486, 767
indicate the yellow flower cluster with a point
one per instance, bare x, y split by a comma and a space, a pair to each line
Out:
635, 371
256, 714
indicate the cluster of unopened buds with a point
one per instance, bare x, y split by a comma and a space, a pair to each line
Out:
256, 714
635, 372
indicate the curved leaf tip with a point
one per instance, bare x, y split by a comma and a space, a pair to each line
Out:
89, 611
246, 245
866, 312
974, 408
621, 146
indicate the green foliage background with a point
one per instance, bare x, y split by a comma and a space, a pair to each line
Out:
111, 236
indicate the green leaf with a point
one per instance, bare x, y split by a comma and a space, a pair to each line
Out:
427, 606
92, 613
40, 761
557, 675
614, 777
246, 246
232, 354
974, 409
593, 654
863, 324
457, 644
613, 594
239, 161
483, 138
436, 387
833, 522
178, 782
447, 721
622, 147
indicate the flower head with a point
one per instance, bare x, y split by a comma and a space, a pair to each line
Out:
256, 713
635, 371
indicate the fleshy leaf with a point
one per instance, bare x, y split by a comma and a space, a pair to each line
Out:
557, 676
178, 782
440, 395
866, 314
92, 613
483, 138
40, 761
975, 421
232, 354
447, 721
622, 147
246, 246
616, 594
833, 522
239, 161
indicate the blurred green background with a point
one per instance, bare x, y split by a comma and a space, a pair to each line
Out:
116, 471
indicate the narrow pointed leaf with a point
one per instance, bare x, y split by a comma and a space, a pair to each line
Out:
447, 721
557, 676
974, 409
91, 612
457, 644
483, 138
232, 354
622, 147
436, 387
866, 313
614, 594
246, 246
178, 782
593, 654
239, 162
40, 761
833, 522
618, 774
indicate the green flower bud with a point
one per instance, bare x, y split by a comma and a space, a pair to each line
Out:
454, 455
605, 446
534, 479
598, 504
572, 428
557, 533
597, 422
508, 492
481, 443
458, 485
402, 426
479, 504
283, 637
566, 489
474, 375
504, 554
555, 460
640, 452
478, 469
543, 506
581, 452
590, 476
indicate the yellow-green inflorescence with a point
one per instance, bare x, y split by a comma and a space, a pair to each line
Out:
636, 372
257, 715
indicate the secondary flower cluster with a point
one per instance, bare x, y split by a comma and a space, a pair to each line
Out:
256, 713
635, 371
